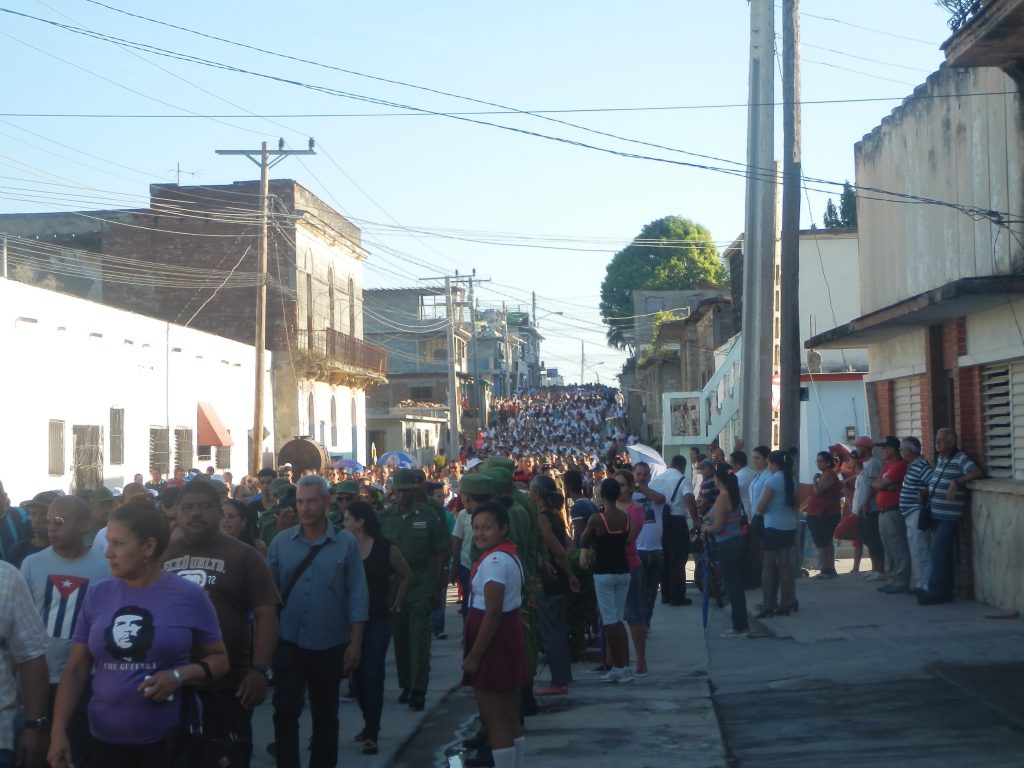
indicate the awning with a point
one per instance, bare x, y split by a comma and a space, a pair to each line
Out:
211, 430
956, 299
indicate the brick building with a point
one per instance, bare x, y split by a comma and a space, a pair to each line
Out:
942, 285
191, 258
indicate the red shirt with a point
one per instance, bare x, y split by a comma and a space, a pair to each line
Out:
892, 471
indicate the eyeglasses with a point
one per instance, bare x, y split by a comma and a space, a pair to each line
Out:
55, 521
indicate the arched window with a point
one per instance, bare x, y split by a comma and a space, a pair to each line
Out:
311, 427
330, 296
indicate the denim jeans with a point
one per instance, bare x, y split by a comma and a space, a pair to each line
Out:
730, 564
942, 579
554, 632
295, 669
6, 758
653, 563
368, 680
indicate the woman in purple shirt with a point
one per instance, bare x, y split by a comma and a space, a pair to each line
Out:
140, 630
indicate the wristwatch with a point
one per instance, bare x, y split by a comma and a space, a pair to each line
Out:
267, 672
40, 724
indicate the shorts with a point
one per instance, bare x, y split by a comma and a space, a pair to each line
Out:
611, 589
634, 611
822, 528
774, 539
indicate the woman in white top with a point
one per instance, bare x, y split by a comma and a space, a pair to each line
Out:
494, 651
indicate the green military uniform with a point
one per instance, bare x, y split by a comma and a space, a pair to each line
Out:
421, 537
335, 513
266, 523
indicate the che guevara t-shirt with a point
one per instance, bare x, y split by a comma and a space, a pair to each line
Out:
133, 632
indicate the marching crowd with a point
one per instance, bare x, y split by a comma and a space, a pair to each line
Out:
146, 626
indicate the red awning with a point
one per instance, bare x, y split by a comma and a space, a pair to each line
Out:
211, 430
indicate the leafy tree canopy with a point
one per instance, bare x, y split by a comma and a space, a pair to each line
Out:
846, 215
687, 258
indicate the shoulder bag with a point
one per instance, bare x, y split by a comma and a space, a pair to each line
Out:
924, 517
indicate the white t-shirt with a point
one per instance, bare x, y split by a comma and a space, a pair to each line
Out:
464, 530
649, 538
665, 484
504, 569
744, 477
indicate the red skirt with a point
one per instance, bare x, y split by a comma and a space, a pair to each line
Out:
503, 665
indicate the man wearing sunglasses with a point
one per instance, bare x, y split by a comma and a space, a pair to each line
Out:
58, 578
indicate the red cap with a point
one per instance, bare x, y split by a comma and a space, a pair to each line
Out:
864, 442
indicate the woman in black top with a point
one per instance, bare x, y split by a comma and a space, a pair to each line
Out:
380, 560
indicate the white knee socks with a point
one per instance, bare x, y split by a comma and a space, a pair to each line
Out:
504, 758
519, 745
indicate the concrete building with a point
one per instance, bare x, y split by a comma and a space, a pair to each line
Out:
191, 258
93, 395
410, 412
942, 287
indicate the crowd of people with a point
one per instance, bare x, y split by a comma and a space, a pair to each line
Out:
554, 538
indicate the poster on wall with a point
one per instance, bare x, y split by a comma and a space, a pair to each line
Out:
685, 416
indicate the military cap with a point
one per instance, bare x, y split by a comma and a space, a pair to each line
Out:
101, 494
347, 488
501, 477
281, 488
404, 480
478, 484
501, 462
420, 475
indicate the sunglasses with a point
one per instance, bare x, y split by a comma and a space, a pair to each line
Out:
55, 522
345, 497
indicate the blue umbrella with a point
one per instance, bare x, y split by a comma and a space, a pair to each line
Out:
403, 460
351, 464
706, 570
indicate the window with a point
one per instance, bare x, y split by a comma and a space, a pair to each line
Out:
160, 449
204, 453
433, 306
435, 348
87, 456
421, 394
907, 406
654, 304
56, 436
117, 436
1002, 407
223, 457
183, 448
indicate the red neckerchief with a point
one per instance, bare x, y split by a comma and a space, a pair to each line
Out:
507, 547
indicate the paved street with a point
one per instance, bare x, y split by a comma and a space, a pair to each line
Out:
854, 678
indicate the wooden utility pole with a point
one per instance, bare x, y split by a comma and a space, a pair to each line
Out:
790, 349
759, 234
265, 164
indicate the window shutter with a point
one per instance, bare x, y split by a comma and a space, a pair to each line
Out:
907, 406
56, 453
996, 406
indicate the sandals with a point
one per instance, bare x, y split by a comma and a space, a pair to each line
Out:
369, 747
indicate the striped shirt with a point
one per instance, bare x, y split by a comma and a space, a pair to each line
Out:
913, 483
938, 481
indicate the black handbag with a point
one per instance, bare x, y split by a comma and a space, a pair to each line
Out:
193, 749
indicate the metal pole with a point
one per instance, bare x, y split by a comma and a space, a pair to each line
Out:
453, 395
583, 359
790, 351
477, 379
256, 455
5, 259
759, 232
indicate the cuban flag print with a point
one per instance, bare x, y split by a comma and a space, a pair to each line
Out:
63, 601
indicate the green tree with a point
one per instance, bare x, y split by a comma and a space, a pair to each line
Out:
846, 215
687, 258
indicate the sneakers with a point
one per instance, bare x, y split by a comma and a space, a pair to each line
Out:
824, 575
733, 633
553, 690
617, 675
600, 669
641, 671
872, 576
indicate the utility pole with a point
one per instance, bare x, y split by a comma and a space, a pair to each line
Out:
583, 360
759, 240
790, 349
476, 357
453, 394
265, 164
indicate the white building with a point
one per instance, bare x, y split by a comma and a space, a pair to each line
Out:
93, 395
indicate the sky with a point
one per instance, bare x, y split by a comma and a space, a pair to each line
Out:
89, 122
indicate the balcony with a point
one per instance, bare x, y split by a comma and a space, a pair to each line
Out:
340, 360
986, 34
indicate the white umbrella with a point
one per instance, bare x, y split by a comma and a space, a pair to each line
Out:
641, 452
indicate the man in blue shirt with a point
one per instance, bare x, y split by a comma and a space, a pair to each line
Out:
319, 574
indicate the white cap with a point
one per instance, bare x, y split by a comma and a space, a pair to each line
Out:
473, 464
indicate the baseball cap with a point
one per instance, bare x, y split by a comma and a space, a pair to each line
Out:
473, 464
864, 442
890, 442
43, 500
